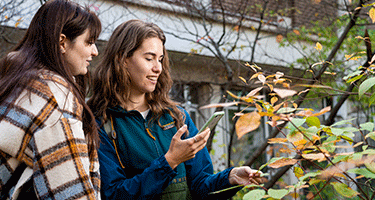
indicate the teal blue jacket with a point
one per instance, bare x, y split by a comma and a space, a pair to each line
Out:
141, 146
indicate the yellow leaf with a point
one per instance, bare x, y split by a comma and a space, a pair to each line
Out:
274, 100
254, 76
233, 95
298, 172
6, 16
277, 107
259, 108
17, 23
276, 81
247, 123
318, 46
371, 13
270, 86
242, 79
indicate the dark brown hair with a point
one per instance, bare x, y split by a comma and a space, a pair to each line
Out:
40, 50
111, 80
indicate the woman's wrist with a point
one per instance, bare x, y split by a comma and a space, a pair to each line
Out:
173, 164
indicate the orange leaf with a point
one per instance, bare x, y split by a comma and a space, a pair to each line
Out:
322, 111
277, 140
314, 156
283, 162
279, 38
247, 123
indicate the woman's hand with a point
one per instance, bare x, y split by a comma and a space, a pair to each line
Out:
244, 176
182, 150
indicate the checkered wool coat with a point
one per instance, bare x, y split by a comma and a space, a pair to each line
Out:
43, 128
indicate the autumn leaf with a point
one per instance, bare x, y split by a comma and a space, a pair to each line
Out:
274, 100
217, 105
344, 189
262, 78
283, 93
283, 162
371, 13
321, 112
279, 38
298, 172
247, 123
314, 156
254, 92
318, 46
296, 32
277, 140
242, 79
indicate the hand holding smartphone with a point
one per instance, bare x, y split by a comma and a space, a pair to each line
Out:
212, 122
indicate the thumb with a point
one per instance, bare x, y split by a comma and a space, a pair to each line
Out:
181, 131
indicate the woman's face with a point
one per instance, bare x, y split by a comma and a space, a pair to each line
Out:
78, 53
145, 66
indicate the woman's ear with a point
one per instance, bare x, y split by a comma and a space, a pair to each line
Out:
63, 43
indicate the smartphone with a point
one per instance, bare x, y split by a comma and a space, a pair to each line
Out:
211, 123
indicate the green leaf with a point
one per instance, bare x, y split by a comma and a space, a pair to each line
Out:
366, 85
344, 190
352, 74
354, 78
277, 194
286, 110
368, 126
372, 99
362, 171
254, 195
340, 158
343, 122
337, 131
313, 121
310, 174
295, 123
371, 135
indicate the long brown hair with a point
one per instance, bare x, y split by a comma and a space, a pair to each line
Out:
111, 80
40, 50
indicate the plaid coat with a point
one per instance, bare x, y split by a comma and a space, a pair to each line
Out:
43, 128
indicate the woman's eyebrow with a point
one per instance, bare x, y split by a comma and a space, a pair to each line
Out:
153, 54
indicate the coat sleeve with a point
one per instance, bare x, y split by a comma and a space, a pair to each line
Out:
202, 180
46, 133
116, 185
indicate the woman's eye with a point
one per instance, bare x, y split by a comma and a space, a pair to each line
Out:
148, 59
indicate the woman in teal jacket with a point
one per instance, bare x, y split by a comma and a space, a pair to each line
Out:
150, 147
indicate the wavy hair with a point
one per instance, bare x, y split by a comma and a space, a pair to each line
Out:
40, 50
111, 80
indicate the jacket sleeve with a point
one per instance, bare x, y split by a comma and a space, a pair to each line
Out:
47, 137
202, 180
116, 185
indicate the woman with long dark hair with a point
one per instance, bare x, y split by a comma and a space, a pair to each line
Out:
48, 135
150, 147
